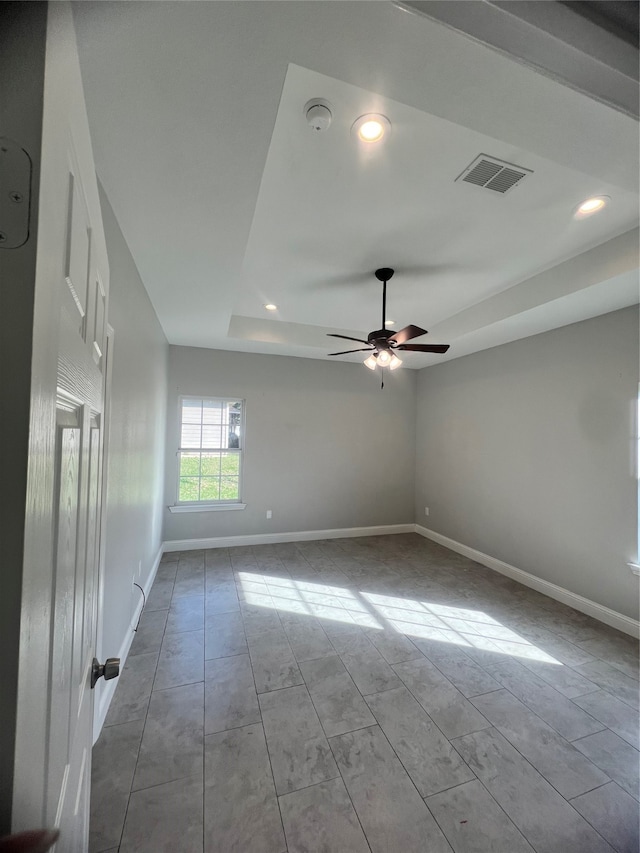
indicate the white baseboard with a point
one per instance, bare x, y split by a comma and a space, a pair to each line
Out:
275, 538
559, 593
109, 687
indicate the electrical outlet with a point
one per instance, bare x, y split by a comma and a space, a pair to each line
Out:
269, 513
426, 510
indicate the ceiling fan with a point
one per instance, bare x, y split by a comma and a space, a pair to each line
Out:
384, 343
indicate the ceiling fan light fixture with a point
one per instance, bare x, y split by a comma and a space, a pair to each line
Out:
370, 362
384, 358
591, 206
371, 128
395, 362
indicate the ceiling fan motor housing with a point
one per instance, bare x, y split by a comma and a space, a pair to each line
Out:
379, 338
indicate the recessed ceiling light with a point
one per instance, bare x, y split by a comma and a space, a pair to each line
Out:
371, 128
590, 206
271, 307
389, 322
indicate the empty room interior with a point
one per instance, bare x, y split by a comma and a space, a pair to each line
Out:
337, 548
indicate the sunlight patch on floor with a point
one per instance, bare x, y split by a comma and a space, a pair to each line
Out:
457, 626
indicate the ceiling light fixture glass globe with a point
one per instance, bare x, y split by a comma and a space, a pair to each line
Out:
370, 362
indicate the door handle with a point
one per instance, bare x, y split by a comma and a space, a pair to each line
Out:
107, 670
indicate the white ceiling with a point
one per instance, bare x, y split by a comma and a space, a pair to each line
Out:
228, 200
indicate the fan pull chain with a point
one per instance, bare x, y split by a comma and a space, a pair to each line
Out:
382, 383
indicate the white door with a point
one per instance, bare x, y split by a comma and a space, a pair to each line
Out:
58, 633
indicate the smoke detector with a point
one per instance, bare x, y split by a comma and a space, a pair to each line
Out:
318, 114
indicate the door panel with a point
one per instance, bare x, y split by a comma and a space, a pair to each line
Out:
78, 242
55, 700
68, 449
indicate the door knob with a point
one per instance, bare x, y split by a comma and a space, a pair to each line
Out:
107, 670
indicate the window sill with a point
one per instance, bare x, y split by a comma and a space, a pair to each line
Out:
205, 507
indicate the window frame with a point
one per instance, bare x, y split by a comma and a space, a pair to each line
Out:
209, 504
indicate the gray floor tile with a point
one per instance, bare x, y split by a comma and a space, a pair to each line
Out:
300, 754
172, 741
618, 650
133, 690
613, 681
369, 670
568, 653
394, 647
191, 559
217, 558
215, 575
619, 760
568, 770
392, 813
257, 619
614, 814
113, 764
555, 709
426, 754
371, 673
186, 614
307, 639
272, 660
230, 698
221, 596
444, 703
241, 809
170, 557
224, 636
167, 571
150, 632
321, 818
160, 596
181, 660
167, 818
188, 583
474, 823
567, 681
616, 715
543, 816
337, 700
465, 674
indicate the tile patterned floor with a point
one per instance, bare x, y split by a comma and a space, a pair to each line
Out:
376, 694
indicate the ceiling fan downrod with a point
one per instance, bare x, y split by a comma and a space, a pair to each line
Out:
384, 274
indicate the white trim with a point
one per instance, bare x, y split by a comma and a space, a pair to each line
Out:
274, 538
204, 507
109, 687
635, 568
559, 593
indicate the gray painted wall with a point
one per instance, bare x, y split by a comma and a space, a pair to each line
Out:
526, 453
22, 50
135, 473
325, 447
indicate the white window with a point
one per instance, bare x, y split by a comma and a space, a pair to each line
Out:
210, 453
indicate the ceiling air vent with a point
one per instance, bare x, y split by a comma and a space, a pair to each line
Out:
493, 174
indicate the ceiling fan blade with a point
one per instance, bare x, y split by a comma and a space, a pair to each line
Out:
364, 349
407, 333
346, 338
424, 347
